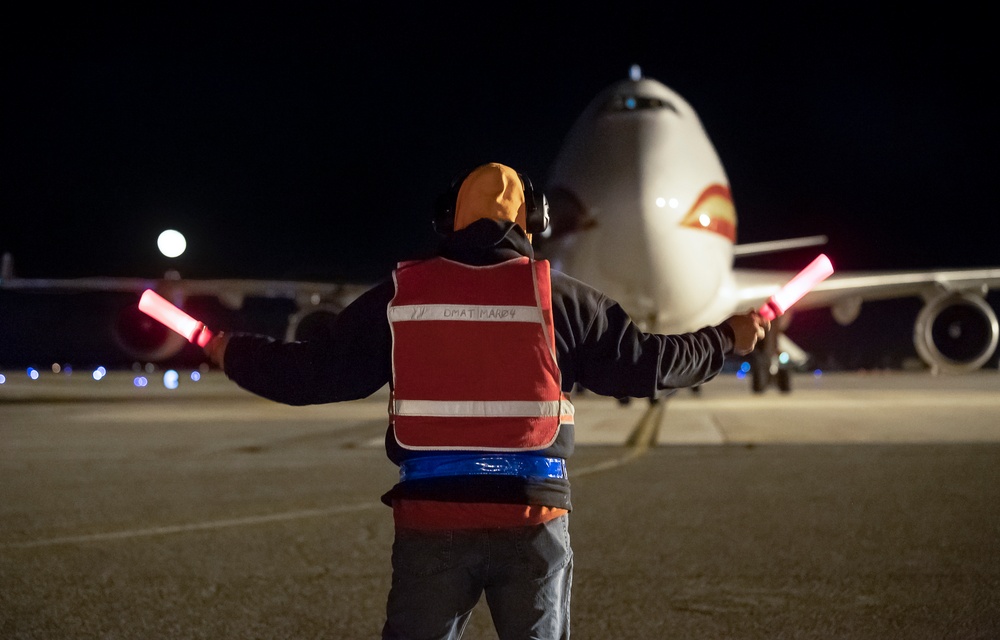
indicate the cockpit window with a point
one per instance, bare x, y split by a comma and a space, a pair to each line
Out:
636, 103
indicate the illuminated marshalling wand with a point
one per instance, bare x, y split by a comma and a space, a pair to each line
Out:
817, 271
160, 309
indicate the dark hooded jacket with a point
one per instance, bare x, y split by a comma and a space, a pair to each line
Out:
598, 348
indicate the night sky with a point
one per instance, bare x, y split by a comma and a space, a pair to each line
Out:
311, 143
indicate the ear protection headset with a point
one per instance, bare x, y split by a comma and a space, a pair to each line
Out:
536, 207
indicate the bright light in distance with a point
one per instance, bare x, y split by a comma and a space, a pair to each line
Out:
784, 357
673, 203
100, 372
818, 373
3, 378
171, 379
661, 202
140, 381
704, 220
196, 376
171, 243
32, 373
745, 367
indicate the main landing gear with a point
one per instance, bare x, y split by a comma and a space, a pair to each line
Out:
766, 367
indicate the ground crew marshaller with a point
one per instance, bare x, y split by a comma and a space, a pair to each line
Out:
481, 347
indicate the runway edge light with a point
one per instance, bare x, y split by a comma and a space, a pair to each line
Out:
161, 310
817, 271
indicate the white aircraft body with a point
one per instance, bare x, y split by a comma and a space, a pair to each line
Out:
641, 209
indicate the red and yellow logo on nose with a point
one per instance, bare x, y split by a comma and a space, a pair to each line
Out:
713, 211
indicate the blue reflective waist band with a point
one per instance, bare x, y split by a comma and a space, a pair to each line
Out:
493, 464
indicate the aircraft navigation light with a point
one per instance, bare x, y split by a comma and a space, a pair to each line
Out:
171, 243
171, 379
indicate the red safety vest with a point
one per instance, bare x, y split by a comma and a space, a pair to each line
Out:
473, 357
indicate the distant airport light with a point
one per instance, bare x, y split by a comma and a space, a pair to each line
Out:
140, 381
99, 373
196, 375
171, 243
170, 379
817, 270
32, 373
157, 307
3, 378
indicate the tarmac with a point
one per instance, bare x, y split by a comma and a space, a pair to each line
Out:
860, 505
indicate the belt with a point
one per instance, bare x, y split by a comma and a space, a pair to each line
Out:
495, 464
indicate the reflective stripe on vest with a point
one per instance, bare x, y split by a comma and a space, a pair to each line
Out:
473, 361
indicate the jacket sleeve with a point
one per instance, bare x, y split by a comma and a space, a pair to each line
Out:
352, 362
601, 349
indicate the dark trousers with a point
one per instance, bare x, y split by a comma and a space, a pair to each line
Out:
439, 576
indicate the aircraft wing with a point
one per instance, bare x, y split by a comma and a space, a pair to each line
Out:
754, 287
956, 329
316, 303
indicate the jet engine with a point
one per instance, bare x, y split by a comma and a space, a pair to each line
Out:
145, 339
956, 332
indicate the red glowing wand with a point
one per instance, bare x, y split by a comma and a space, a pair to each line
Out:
818, 270
160, 309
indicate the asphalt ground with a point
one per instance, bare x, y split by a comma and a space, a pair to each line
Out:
858, 506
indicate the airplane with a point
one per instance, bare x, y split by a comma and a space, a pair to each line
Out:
641, 209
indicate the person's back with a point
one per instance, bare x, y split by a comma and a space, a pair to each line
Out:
482, 347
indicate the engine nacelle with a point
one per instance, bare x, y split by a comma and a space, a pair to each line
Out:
956, 332
145, 339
